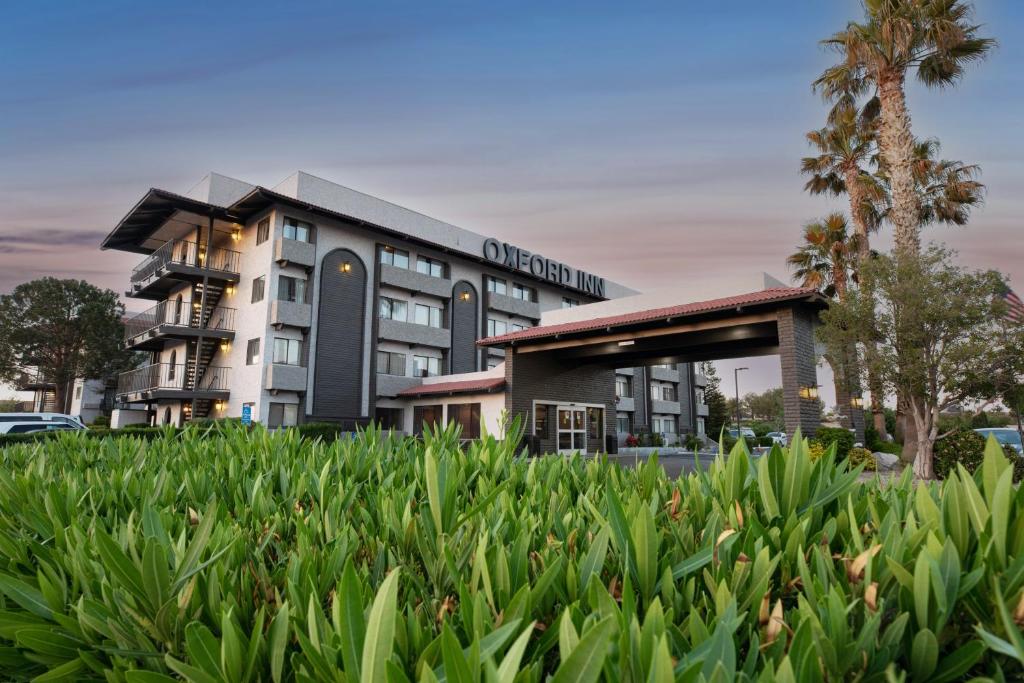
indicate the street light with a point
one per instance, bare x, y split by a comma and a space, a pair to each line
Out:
736, 379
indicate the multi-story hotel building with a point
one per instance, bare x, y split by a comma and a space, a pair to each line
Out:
313, 302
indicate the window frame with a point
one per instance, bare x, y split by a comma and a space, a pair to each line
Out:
262, 230
297, 224
391, 362
259, 289
492, 285
430, 361
431, 312
391, 301
492, 327
252, 352
289, 345
430, 265
289, 284
523, 292
393, 252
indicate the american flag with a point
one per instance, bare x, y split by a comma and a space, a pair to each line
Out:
1014, 306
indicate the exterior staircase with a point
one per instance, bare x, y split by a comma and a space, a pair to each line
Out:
200, 355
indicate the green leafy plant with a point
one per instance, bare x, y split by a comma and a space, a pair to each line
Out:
841, 437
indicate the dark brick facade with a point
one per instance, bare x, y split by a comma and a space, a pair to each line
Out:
543, 377
796, 355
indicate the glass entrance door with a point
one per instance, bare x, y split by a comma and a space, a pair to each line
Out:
572, 429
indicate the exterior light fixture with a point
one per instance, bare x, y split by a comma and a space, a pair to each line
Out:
345, 267
628, 342
224, 346
856, 401
195, 304
236, 234
230, 290
464, 296
809, 392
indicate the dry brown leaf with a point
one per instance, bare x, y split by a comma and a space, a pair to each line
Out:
855, 570
739, 514
762, 615
871, 596
775, 623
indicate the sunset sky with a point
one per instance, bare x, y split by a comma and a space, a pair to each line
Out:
656, 144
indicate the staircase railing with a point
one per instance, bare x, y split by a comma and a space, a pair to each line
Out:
186, 253
168, 376
178, 313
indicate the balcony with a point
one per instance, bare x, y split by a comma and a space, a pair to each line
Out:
281, 377
33, 381
413, 334
625, 403
177, 320
415, 282
180, 260
164, 380
294, 253
664, 374
660, 407
290, 314
513, 306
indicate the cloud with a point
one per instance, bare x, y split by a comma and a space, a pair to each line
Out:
51, 237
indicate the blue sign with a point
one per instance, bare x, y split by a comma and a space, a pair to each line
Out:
247, 415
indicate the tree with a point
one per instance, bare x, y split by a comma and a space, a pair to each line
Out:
940, 332
933, 39
718, 414
62, 329
767, 406
823, 260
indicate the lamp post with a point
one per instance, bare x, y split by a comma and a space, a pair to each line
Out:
736, 379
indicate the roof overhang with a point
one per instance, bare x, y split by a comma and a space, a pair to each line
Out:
151, 212
488, 385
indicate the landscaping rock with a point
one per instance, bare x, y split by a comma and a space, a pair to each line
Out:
887, 461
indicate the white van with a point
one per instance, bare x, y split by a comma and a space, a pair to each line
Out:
41, 420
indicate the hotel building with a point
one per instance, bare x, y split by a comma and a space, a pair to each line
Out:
310, 302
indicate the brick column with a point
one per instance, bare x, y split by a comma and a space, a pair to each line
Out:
851, 417
796, 355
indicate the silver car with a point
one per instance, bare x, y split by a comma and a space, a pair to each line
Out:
1007, 436
778, 437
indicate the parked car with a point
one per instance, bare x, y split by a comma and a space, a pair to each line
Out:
747, 433
61, 418
31, 427
1007, 436
778, 437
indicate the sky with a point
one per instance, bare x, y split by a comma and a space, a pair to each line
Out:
656, 144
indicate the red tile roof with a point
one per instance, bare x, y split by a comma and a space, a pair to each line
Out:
478, 386
683, 310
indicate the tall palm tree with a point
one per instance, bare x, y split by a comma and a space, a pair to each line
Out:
824, 260
934, 39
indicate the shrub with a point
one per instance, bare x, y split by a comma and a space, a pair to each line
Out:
101, 421
765, 441
861, 456
842, 438
967, 447
325, 431
632, 441
692, 443
816, 450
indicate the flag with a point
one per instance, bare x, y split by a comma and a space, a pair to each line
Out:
1014, 306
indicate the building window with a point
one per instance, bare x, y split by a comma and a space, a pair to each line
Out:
287, 351
297, 230
700, 396
426, 366
519, 327
569, 303
668, 425
172, 367
668, 393
496, 327
429, 266
78, 391
622, 423
390, 418
665, 366
263, 231
393, 309
283, 415
394, 257
540, 421
425, 417
291, 289
622, 388
522, 292
467, 416
389, 363
496, 285
252, 352
428, 315
258, 285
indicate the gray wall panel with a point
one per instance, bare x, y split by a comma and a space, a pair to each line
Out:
338, 372
464, 328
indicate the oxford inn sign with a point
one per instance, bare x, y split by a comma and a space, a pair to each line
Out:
309, 301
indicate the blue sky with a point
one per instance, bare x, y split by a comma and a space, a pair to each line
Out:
654, 143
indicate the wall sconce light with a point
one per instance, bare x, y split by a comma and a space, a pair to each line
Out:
220, 405
236, 234
809, 392
464, 296
230, 290
345, 267
195, 304
857, 402
224, 346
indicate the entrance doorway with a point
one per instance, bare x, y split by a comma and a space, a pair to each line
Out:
572, 429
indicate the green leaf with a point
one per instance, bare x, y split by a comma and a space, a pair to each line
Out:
510, 664
924, 655
585, 662
278, 642
380, 631
352, 623
26, 596
954, 666
140, 676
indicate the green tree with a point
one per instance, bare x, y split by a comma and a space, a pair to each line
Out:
932, 39
944, 349
767, 406
824, 258
718, 414
62, 329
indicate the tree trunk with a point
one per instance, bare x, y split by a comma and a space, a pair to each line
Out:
924, 463
896, 146
909, 454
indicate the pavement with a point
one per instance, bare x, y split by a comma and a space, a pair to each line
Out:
676, 461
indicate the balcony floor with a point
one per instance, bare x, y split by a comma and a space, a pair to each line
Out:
173, 274
154, 339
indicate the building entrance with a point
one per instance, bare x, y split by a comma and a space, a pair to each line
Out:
572, 429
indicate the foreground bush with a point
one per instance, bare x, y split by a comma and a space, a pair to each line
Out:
250, 556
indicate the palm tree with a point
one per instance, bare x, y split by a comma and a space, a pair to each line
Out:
825, 258
933, 38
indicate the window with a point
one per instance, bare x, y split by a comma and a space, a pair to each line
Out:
172, 368
519, 327
252, 352
540, 421
467, 416
497, 285
522, 292
263, 231
283, 415
622, 423
425, 416
426, 366
394, 257
78, 391
700, 396
393, 309
291, 289
390, 418
429, 266
389, 363
428, 315
622, 388
668, 425
287, 351
665, 366
496, 327
668, 393
297, 230
258, 285
569, 303
167, 415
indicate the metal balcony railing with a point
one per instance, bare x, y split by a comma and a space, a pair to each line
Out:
181, 313
168, 376
188, 254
